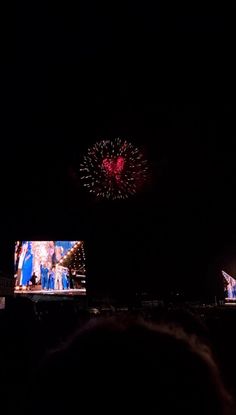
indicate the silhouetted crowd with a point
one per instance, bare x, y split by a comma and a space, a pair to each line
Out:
58, 357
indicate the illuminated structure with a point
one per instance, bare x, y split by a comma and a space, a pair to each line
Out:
65, 260
75, 258
230, 285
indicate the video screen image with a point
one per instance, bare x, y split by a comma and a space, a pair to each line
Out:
229, 286
2, 303
50, 266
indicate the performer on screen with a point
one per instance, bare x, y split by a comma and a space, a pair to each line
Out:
51, 279
17, 256
27, 264
20, 260
33, 279
44, 276
234, 289
58, 278
70, 279
65, 281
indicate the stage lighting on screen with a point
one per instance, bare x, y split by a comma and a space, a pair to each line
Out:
229, 287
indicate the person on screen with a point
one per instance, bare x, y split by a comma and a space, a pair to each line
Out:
21, 255
17, 256
44, 276
58, 278
51, 279
65, 281
229, 291
233, 289
70, 279
33, 279
27, 265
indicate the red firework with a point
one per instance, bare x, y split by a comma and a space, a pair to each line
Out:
114, 169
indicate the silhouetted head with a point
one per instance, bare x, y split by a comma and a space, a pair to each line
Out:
120, 364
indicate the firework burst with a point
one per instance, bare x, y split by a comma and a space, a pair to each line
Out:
114, 169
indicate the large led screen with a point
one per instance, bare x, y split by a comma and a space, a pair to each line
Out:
50, 267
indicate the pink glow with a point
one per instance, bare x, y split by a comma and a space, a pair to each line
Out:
114, 167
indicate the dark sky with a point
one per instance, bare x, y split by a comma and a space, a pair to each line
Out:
161, 76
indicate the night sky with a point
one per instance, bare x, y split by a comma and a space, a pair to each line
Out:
160, 76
